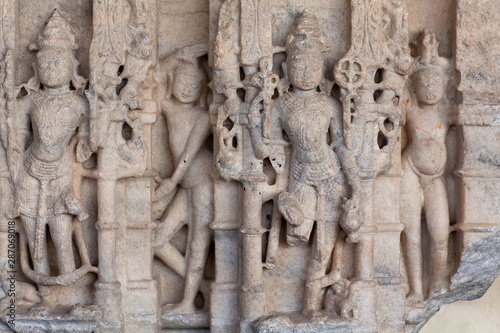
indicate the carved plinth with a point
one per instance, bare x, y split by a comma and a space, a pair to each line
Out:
80, 319
108, 297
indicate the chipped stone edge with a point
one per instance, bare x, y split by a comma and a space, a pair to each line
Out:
479, 267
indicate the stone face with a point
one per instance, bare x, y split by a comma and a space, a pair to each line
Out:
246, 165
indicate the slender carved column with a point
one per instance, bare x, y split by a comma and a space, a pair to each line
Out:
252, 306
140, 299
107, 288
224, 302
123, 50
373, 83
256, 42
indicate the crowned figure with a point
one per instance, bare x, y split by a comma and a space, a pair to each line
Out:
51, 120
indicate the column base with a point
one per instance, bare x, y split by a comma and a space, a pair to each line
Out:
141, 307
224, 308
107, 295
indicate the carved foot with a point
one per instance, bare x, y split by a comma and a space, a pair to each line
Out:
315, 315
437, 291
40, 309
415, 300
180, 308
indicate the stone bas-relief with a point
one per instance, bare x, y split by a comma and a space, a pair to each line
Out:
43, 180
188, 129
423, 183
251, 178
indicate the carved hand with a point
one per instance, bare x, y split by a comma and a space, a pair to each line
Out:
190, 53
164, 189
82, 216
351, 221
74, 206
83, 151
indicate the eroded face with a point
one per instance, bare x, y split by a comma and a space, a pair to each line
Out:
305, 71
429, 86
55, 67
188, 85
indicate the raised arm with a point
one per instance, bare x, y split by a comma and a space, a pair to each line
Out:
186, 54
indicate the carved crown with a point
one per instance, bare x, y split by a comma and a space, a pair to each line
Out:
428, 53
57, 33
305, 36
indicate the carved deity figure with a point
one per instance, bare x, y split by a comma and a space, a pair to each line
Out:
43, 180
423, 162
188, 130
319, 163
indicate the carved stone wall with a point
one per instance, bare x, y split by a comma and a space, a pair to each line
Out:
246, 165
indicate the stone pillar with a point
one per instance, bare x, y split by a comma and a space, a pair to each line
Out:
140, 305
224, 308
252, 291
363, 288
479, 170
107, 288
387, 250
140, 294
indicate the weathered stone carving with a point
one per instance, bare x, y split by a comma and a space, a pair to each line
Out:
245, 165
423, 165
43, 176
316, 183
188, 130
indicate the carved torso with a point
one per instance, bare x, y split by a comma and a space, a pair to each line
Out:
54, 120
306, 122
181, 121
427, 130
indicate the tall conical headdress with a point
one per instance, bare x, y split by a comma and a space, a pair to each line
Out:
57, 33
305, 35
428, 53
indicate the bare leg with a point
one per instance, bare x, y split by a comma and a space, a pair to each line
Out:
172, 258
202, 215
40, 266
438, 221
176, 218
317, 270
338, 251
410, 209
61, 233
29, 225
